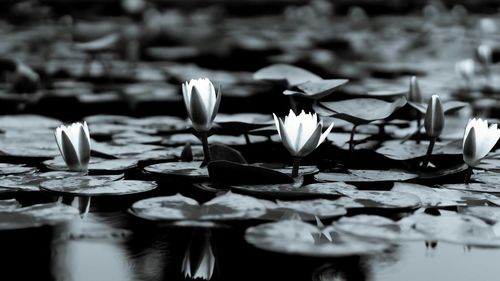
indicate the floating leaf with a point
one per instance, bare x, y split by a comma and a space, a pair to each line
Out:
396, 150
308, 210
235, 173
285, 74
10, 169
96, 186
36, 216
363, 110
377, 199
317, 89
366, 176
301, 238
229, 206
95, 165
179, 169
315, 190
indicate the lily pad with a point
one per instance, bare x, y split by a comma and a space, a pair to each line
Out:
179, 169
285, 74
377, 199
36, 216
96, 186
487, 213
315, 190
95, 165
366, 176
301, 238
475, 187
10, 169
396, 150
308, 210
316, 89
439, 197
226, 207
363, 110
235, 173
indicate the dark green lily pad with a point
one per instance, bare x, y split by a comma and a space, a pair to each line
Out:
27, 121
115, 150
96, 164
301, 238
36, 216
396, 150
366, 176
226, 207
285, 74
244, 120
308, 210
447, 106
10, 169
133, 137
181, 139
315, 190
363, 110
179, 169
475, 187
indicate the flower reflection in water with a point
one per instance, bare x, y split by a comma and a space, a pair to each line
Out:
77, 256
199, 260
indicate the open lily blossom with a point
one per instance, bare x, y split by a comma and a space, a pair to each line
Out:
301, 134
478, 140
202, 103
74, 144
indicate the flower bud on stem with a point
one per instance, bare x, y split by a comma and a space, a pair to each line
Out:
468, 175
296, 165
206, 149
429, 152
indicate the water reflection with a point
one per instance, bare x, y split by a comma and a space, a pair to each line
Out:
76, 256
199, 259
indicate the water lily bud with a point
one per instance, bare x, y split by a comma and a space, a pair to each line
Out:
485, 54
479, 139
466, 68
199, 260
74, 144
414, 92
301, 134
434, 117
202, 103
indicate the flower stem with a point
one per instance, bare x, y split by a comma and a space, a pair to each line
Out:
296, 165
429, 152
206, 149
419, 123
468, 175
351, 141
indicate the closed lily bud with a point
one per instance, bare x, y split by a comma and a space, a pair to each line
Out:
485, 54
434, 117
74, 144
199, 260
301, 134
414, 92
479, 139
466, 68
202, 103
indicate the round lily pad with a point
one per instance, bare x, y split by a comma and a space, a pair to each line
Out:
317, 89
308, 210
316, 190
96, 164
301, 238
488, 177
36, 216
487, 213
396, 150
285, 74
366, 176
229, 206
363, 110
10, 169
96, 186
439, 197
377, 199
475, 187
179, 169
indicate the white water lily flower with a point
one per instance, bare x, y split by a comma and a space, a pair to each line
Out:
434, 117
301, 134
202, 103
479, 139
74, 144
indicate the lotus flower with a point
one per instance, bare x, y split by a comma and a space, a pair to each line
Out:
434, 117
479, 139
74, 144
199, 260
414, 90
301, 134
202, 103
